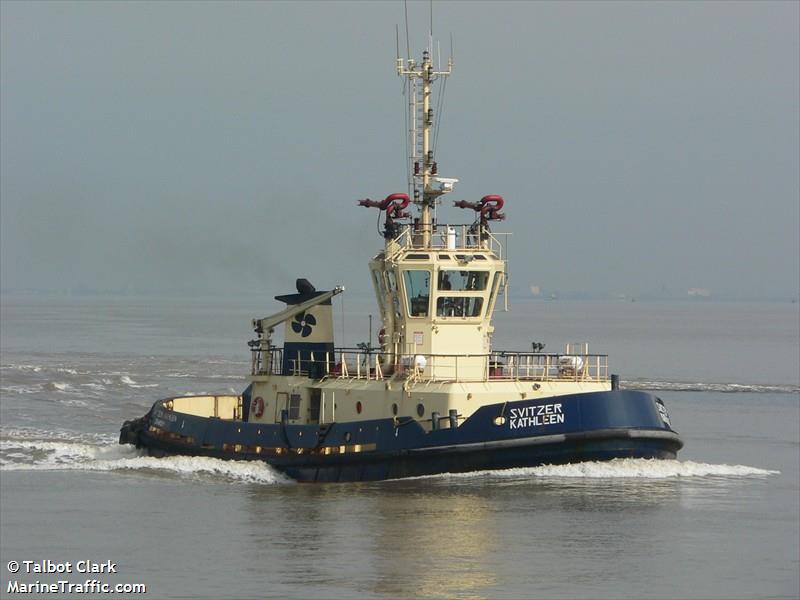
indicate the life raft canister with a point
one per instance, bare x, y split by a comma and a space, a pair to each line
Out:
257, 407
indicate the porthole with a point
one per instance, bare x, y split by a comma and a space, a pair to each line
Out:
420, 409
499, 421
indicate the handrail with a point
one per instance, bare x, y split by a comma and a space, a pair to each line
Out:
448, 237
361, 364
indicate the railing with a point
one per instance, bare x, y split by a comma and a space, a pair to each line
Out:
552, 367
265, 361
368, 365
450, 237
224, 406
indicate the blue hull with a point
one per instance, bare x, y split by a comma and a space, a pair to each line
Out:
524, 433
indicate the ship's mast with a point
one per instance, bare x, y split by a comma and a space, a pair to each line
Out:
426, 187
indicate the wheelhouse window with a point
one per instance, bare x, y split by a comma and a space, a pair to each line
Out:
459, 306
380, 291
392, 280
498, 277
463, 281
390, 276
418, 292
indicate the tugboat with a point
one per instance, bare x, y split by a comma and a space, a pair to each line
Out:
433, 396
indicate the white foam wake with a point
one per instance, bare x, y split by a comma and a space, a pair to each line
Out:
728, 388
60, 455
58, 386
125, 379
37, 450
627, 468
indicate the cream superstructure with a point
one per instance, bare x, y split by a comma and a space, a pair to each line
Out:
436, 286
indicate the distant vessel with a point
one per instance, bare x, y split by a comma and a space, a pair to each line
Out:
433, 396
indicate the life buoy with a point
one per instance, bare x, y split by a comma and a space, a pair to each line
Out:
257, 407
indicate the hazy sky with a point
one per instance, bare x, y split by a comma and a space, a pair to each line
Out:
641, 147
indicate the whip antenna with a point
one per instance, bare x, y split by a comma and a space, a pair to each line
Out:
408, 44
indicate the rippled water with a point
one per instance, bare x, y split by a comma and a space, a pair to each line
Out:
721, 522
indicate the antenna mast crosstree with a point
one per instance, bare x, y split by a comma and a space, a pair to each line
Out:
426, 185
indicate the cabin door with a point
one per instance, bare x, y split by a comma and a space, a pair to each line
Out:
315, 401
281, 403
